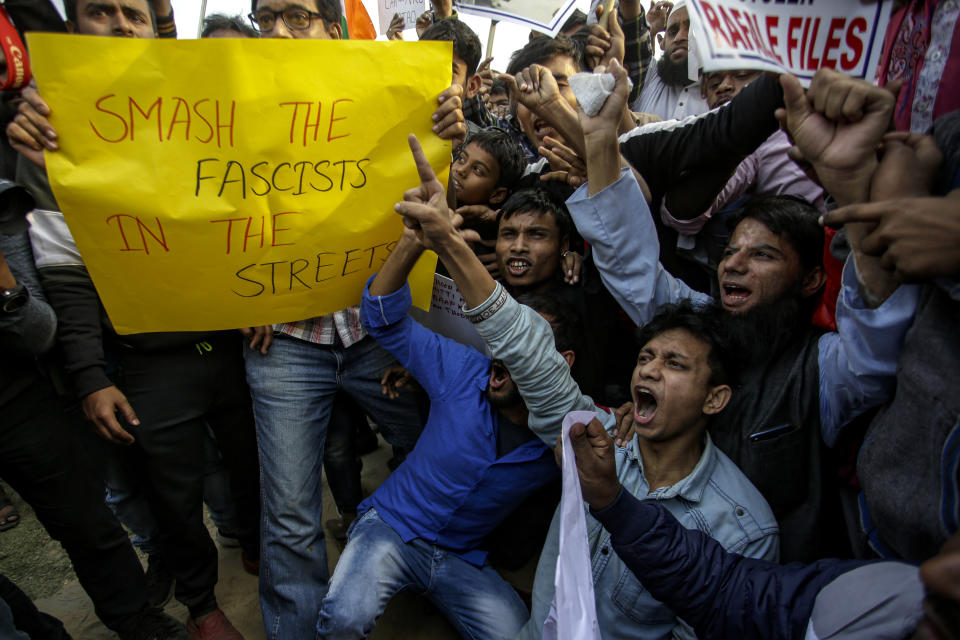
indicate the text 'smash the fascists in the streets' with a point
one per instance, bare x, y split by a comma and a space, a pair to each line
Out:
216, 184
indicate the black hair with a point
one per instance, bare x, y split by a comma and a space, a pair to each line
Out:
222, 22
705, 324
542, 50
504, 149
329, 10
576, 20
70, 9
789, 216
564, 320
466, 44
499, 86
538, 200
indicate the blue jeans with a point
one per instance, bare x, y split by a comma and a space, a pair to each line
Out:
293, 388
377, 563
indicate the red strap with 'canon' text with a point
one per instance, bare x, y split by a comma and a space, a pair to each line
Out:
18, 66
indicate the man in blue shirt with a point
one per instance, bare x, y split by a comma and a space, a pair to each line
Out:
475, 461
680, 383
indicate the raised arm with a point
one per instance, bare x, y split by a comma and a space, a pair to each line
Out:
700, 152
612, 215
516, 334
837, 125
721, 594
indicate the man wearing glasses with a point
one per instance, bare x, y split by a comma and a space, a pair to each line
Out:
284, 19
294, 370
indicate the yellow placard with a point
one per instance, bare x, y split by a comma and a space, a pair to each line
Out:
224, 183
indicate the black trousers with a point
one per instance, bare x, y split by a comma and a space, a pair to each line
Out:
27, 618
176, 393
43, 456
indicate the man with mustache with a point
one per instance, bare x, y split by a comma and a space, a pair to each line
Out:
680, 383
802, 386
667, 90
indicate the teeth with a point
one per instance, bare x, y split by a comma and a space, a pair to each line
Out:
643, 410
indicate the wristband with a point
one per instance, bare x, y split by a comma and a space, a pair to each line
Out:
18, 65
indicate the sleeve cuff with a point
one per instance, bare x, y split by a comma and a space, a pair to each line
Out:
623, 515
381, 311
486, 309
583, 193
91, 379
905, 296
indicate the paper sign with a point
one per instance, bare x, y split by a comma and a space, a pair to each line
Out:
409, 10
224, 183
846, 35
446, 315
547, 16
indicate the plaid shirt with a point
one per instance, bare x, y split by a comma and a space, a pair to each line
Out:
638, 51
344, 324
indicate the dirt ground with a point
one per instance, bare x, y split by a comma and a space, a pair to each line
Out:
39, 566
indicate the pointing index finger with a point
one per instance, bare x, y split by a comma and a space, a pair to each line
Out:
852, 213
423, 166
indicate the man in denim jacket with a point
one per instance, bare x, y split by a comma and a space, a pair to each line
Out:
679, 382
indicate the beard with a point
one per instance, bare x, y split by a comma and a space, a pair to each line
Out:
760, 333
504, 398
672, 73
508, 395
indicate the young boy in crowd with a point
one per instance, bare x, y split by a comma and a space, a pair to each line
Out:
485, 171
466, 59
486, 168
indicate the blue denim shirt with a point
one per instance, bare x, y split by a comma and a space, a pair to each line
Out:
858, 362
452, 490
715, 497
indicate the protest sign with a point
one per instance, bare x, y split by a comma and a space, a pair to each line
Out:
223, 183
446, 315
799, 37
547, 16
409, 10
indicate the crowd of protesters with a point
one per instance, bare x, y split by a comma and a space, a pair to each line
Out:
753, 288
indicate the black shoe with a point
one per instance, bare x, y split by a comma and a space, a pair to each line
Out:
366, 440
159, 582
152, 624
337, 527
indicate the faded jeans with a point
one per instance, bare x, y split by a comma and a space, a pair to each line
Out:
377, 563
293, 387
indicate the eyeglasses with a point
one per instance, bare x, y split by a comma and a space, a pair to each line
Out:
294, 18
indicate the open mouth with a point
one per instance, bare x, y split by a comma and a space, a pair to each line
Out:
644, 405
542, 129
734, 295
498, 375
517, 267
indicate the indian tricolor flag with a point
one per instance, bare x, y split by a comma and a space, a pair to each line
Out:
355, 21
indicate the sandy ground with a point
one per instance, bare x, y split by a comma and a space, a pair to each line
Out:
39, 566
